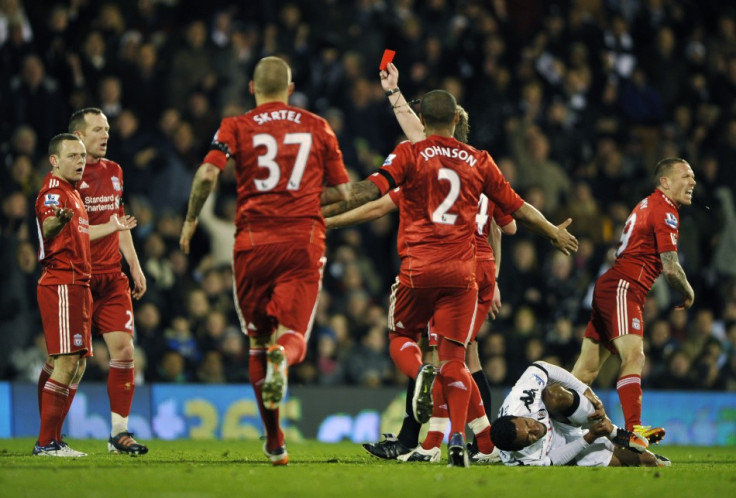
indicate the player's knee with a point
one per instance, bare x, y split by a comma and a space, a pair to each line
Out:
81, 367
633, 359
556, 398
451, 350
585, 373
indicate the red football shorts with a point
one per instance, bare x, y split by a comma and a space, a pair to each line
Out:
453, 311
278, 284
112, 308
65, 313
485, 274
617, 311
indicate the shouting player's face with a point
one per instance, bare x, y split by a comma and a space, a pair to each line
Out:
95, 135
69, 164
680, 184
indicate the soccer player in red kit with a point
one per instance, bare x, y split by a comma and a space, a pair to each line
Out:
442, 180
101, 190
404, 349
647, 248
284, 156
64, 296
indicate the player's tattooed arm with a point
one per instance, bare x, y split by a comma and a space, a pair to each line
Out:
204, 181
360, 193
675, 276
202, 185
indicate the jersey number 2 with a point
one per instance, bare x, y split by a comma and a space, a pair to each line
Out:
440, 215
266, 160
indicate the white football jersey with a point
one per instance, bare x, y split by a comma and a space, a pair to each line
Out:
525, 400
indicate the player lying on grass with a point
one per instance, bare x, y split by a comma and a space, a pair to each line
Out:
552, 418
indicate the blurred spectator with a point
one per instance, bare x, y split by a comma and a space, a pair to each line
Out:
576, 101
35, 99
368, 363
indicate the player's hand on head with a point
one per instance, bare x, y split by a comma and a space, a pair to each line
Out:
187, 232
565, 241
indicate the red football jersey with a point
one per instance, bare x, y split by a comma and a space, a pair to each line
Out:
283, 157
442, 180
484, 251
651, 229
101, 190
66, 257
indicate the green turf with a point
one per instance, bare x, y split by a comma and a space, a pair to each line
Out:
235, 468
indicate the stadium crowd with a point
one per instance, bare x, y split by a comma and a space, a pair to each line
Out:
575, 99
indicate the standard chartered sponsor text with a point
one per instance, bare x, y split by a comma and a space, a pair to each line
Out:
101, 203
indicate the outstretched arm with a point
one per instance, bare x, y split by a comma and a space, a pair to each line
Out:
335, 193
360, 193
675, 276
408, 120
114, 224
54, 224
535, 221
204, 181
367, 212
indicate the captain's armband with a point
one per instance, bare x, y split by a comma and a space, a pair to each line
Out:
222, 147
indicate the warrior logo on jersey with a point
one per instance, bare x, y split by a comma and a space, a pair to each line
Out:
116, 183
51, 200
674, 239
539, 380
671, 220
636, 324
528, 399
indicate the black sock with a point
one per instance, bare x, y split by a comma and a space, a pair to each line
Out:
409, 433
485, 392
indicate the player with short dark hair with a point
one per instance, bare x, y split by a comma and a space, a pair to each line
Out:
488, 220
441, 181
283, 158
551, 418
648, 248
101, 189
64, 296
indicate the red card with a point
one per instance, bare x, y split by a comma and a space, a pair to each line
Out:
388, 56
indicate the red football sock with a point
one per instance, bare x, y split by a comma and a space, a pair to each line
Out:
46, 372
52, 412
257, 370
456, 382
406, 354
629, 393
121, 386
294, 345
478, 420
69, 399
438, 422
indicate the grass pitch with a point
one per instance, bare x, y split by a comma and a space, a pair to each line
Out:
238, 468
